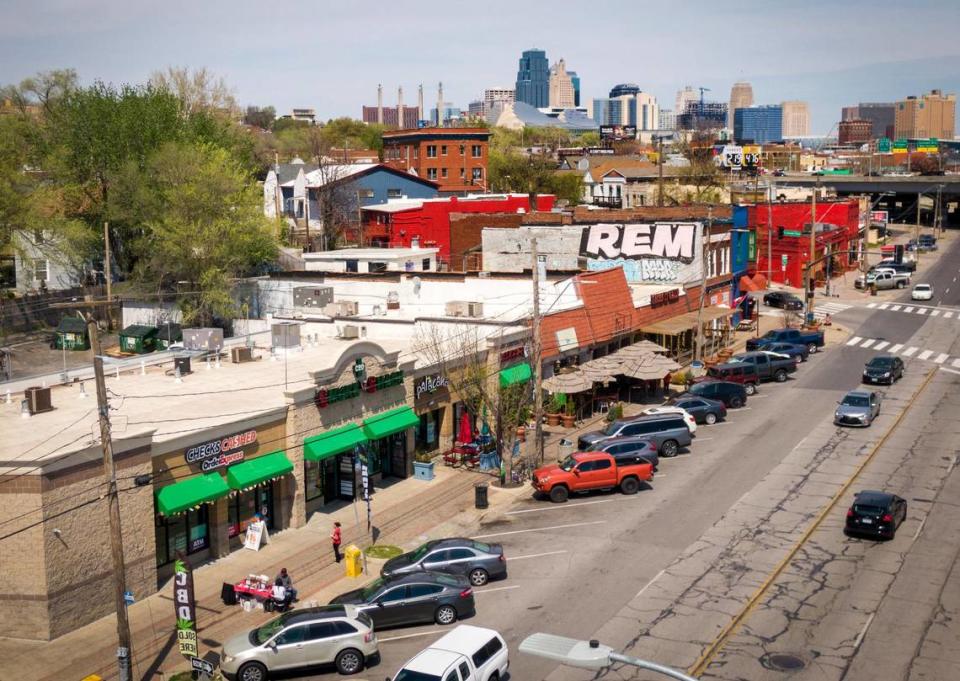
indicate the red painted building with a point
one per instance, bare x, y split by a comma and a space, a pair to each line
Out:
838, 230
456, 158
426, 222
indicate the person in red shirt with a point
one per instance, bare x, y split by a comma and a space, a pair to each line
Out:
335, 537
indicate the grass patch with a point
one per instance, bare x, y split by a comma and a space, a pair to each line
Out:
382, 551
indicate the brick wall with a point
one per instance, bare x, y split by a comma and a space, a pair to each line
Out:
581, 214
466, 230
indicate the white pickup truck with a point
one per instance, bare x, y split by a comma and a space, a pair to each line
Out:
883, 279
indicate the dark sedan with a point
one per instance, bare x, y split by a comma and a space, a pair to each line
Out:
792, 350
883, 369
413, 599
876, 514
733, 395
702, 409
783, 300
474, 560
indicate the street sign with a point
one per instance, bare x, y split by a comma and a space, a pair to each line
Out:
201, 665
783, 263
792, 232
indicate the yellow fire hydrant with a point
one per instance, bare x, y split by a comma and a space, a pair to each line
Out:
353, 557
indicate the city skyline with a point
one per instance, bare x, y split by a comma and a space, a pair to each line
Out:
267, 62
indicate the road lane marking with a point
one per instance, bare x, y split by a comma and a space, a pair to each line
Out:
400, 638
941, 358
896, 308
946, 291
496, 588
919, 529
952, 371
854, 340
757, 396
655, 578
955, 363
908, 309
947, 314
704, 439
925, 354
871, 305
896, 348
922, 310
881, 345
539, 529
934, 313
863, 632
909, 352
536, 555
559, 507
867, 343
884, 306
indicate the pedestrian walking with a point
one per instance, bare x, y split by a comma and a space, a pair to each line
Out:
335, 538
666, 384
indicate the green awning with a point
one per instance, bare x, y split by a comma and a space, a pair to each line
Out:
390, 422
519, 373
180, 496
255, 471
333, 442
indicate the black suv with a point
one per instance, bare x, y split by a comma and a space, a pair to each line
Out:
733, 395
877, 514
668, 431
883, 369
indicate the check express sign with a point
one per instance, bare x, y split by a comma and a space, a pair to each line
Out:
219, 453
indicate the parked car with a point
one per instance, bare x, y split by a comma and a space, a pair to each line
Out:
857, 408
477, 561
475, 653
927, 242
813, 340
627, 450
744, 374
905, 266
732, 395
782, 299
922, 292
883, 369
341, 635
586, 471
662, 409
768, 367
668, 431
413, 599
797, 352
702, 409
883, 279
876, 514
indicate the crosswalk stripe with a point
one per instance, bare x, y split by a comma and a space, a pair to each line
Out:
941, 358
896, 308
925, 354
956, 362
934, 313
921, 310
867, 343
884, 306
881, 345
871, 305
908, 309
947, 315
909, 351
854, 340
896, 348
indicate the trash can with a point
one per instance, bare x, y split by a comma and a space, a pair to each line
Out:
565, 448
353, 558
480, 495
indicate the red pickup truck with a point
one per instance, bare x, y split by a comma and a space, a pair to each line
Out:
587, 471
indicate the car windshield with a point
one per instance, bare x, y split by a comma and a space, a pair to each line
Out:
735, 360
881, 363
407, 675
421, 551
480, 546
865, 509
856, 401
568, 464
612, 429
270, 629
921, 287
372, 588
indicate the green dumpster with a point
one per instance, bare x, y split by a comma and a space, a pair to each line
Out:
138, 338
72, 334
167, 334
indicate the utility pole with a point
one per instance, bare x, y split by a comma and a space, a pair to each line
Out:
660, 170
106, 259
537, 352
769, 232
813, 251
698, 349
124, 647
916, 230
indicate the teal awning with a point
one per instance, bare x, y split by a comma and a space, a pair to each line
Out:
255, 471
180, 496
390, 422
333, 442
519, 373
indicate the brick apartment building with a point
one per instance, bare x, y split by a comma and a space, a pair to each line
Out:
456, 158
855, 131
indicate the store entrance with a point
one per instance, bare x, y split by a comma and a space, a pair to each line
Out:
244, 506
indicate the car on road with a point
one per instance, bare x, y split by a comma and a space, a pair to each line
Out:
883, 369
475, 653
782, 299
922, 292
905, 266
876, 514
341, 635
702, 409
588, 471
812, 340
794, 350
662, 409
883, 279
413, 599
669, 431
630, 450
744, 374
477, 561
769, 367
857, 408
732, 395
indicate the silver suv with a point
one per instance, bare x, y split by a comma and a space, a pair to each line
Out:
669, 432
337, 634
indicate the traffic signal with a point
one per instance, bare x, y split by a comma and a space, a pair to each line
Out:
811, 285
780, 231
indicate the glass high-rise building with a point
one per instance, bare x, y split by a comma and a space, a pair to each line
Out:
533, 79
758, 124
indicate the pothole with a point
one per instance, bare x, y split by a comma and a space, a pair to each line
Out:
783, 662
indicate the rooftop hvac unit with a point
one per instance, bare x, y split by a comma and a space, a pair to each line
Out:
241, 354
316, 297
182, 362
202, 339
38, 399
285, 335
342, 308
350, 331
464, 308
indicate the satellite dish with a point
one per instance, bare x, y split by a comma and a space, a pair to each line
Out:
417, 282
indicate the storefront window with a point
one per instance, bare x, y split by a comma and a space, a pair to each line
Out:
184, 533
313, 480
428, 432
243, 508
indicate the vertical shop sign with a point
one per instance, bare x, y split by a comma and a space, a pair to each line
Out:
186, 608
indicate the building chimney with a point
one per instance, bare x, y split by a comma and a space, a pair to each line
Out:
380, 103
420, 103
440, 104
400, 107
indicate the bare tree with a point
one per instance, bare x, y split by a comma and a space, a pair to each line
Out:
197, 90
336, 195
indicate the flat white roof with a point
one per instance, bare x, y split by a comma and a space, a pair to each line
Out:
372, 254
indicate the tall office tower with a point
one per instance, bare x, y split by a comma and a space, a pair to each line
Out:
796, 119
533, 79
561, 87
575, 79
929, 116
684, 97
741, 97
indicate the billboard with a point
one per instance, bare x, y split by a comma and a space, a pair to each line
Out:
617, 132
185, 607
662, 252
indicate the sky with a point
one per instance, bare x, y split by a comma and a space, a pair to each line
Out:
331, 55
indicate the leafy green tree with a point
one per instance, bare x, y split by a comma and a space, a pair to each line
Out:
282, 124
260, 117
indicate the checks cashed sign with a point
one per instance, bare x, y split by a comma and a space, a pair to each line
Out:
186, 608
662, 252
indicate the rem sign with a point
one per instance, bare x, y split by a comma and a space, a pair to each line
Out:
662, 252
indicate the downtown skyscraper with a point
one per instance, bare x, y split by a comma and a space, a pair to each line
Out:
533, 79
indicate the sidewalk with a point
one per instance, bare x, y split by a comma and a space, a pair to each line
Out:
403, 513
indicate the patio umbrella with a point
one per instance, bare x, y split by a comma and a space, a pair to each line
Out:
607, 365
465, 433
650, 367
644, 347
574, 382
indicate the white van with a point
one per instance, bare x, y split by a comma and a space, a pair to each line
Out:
467, 653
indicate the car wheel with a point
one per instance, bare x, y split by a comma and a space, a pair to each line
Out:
629, 486
750, 388
445, 614
735, 403
812, 347
559, 494
349, 661
252, 671
479, 577
900, 284
669, 448
710, 418
780, 376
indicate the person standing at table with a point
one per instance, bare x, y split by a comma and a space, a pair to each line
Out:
336, 538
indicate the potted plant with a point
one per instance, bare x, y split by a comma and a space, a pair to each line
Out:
569, 414
615, 412
423, 465
554, 408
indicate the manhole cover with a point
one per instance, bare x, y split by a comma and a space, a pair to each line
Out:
782, 662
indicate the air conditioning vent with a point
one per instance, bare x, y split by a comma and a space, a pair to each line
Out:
38, 399
350, 331
182, 362
342, 308
238, 355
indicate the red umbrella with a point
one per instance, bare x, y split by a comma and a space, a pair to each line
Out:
465, 433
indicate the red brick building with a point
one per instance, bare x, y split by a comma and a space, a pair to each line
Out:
456, 158
856, 131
